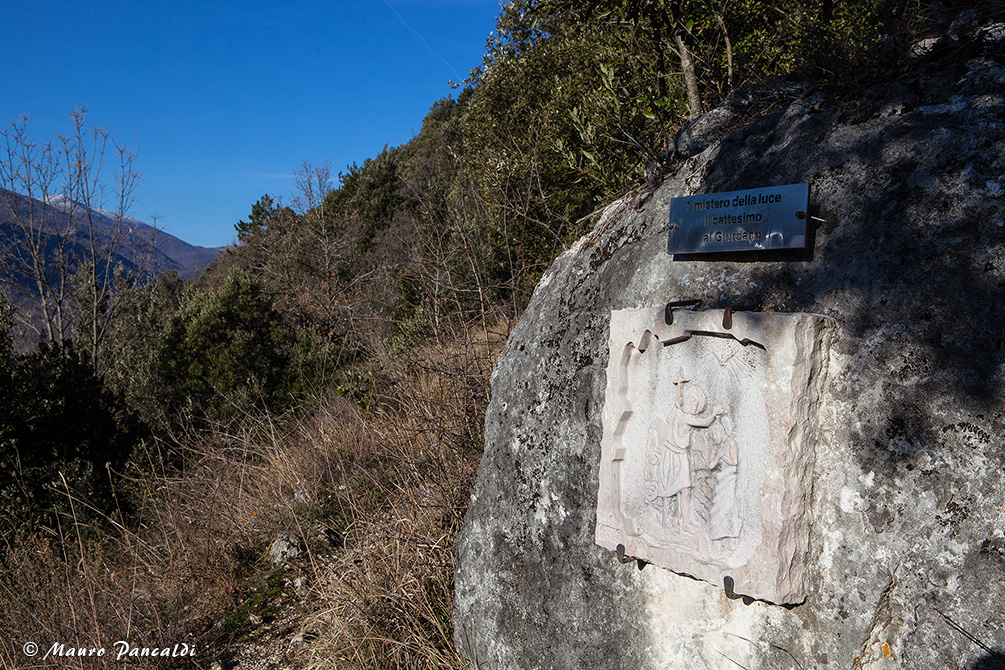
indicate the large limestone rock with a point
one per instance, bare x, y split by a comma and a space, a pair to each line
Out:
903, 563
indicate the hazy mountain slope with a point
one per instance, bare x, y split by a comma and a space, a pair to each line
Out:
142, 247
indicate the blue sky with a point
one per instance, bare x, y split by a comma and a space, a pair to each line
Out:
226, 99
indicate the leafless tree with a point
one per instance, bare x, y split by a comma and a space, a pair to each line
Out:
62, 228
327, 249
37, 233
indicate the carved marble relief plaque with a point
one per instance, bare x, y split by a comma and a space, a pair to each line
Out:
707, 451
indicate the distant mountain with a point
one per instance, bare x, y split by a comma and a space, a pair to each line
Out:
142, 248
172, 253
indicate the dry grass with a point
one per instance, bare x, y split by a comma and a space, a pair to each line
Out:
375, 501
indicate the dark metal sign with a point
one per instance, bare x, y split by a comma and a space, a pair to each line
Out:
752, 220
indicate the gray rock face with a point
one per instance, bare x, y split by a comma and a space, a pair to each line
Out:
906, 550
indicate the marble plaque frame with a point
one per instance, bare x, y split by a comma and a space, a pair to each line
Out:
707, 448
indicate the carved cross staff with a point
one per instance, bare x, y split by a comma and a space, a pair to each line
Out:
679, 383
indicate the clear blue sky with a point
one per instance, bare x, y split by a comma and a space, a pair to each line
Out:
227, 98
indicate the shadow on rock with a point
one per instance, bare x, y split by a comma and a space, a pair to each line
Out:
992, 661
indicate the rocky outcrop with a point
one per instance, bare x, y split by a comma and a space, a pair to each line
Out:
905, 565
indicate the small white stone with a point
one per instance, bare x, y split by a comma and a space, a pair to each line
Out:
282, 549
851, 501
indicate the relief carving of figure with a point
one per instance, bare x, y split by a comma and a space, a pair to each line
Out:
724, 521
692, 469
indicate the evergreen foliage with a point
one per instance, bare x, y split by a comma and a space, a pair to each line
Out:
62, 433
265, 215
226, 351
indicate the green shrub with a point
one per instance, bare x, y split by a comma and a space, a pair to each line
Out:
227, 351
60, 429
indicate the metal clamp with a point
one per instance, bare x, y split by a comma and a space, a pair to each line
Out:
727, 314
668, 311
622, 558
727, 585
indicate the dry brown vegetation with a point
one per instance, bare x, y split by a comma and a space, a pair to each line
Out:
373, 500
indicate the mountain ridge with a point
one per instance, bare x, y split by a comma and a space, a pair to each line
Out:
165, 252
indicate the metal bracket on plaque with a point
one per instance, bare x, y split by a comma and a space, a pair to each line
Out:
668, 310
727, 314
623, 558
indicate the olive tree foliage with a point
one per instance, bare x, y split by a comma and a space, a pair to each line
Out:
518, 127
63, 222
574, 103
604, 84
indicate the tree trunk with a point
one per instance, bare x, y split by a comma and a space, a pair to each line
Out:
690, 78
729, 54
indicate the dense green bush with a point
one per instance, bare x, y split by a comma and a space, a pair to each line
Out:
61, 428
226, 351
